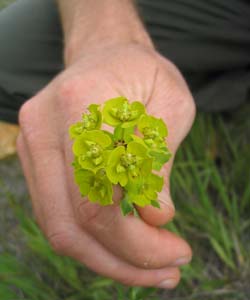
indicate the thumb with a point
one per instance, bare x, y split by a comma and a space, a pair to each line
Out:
172, 102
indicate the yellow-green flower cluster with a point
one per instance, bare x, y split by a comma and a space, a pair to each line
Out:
103, 159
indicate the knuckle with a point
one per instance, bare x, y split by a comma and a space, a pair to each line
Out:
88, 212
65, 88
189, 108
36, 136
69, 95
25, 113
181, 95
28, 119
72, 90
185, 104
96, 217
62, 241
67, 91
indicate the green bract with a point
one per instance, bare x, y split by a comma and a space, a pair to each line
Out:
154, 130
144, 190
118, 111
128, 163
154, 133
90, 121
103, 159
96, 186
90, 149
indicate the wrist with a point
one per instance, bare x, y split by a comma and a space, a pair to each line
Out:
75, 48
90, 25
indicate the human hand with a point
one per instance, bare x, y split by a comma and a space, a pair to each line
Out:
128, 249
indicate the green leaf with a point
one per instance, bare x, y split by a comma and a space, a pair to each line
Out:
123, 179
101, 195
137, 109
138, 140
152, 127
155, 204
118, 111
96, 186
146, 167
126, 207
101, 190
89, 149
113, 162
140, 199
75, 130
143, 190
137, 149
156, 182
87, 164
107, 110
79, 147
95, 115
120, 168
123, 134
98, 137
84, 180
90, 121
160, 158
118, 133
76, 164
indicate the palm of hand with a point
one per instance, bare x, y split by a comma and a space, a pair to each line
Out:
127, 249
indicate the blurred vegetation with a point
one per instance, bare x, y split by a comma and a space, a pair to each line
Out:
4, 3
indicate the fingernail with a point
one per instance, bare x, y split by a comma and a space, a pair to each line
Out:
182, 261
167, 284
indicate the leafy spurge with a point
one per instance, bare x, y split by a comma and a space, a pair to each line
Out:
90, 148
127, 156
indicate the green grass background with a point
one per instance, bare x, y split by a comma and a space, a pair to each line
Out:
210, 185
4, 3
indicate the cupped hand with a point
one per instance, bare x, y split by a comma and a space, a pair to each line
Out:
134, 251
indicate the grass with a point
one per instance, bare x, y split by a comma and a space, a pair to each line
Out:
4, 3
210, 183
210, 186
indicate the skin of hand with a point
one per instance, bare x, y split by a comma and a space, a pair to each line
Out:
134, 251
107, 54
